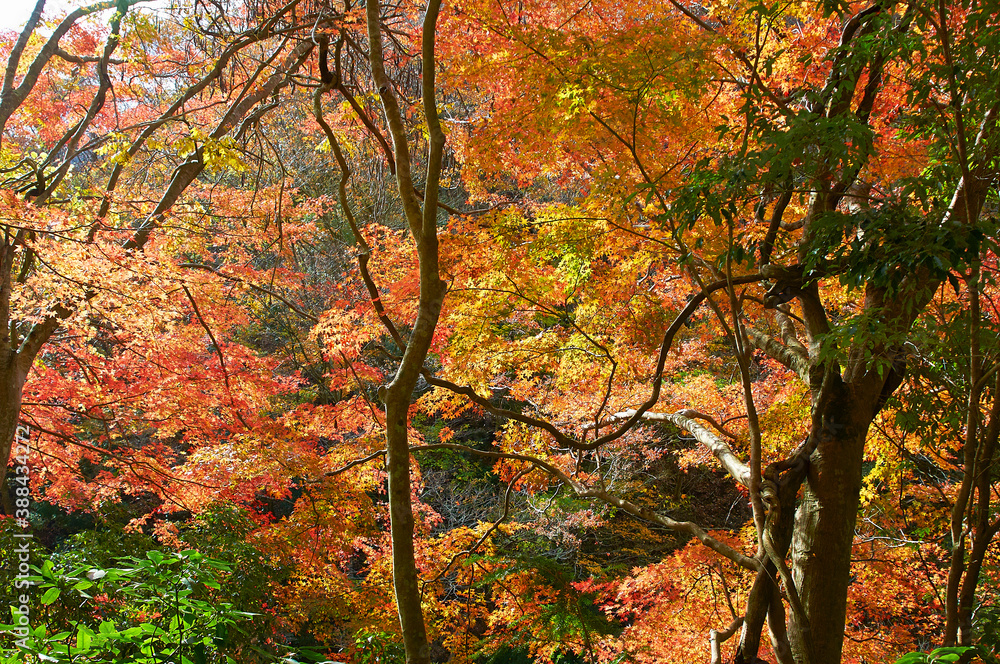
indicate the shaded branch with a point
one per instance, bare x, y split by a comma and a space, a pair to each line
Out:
218, 352
585, 491
260, 289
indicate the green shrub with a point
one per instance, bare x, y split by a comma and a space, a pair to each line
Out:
161, 608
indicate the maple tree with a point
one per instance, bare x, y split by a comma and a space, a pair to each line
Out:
812, 150
699, 236
34, 307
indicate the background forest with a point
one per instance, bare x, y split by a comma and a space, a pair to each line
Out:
502, 331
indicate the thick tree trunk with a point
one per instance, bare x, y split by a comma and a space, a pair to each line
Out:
15, 362
825, 520
12, 378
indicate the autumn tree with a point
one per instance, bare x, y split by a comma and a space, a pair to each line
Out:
772, 138
48, 191
721, 221
421, 214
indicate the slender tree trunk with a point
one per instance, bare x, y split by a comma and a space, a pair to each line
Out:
983, 532
398, 396
967, 598
422, 221
764, 592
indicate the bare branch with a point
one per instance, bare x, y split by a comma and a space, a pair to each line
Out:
496, 524
186, 172
790, 356
684, 419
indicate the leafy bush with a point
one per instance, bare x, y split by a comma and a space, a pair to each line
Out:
164, 607
942, 655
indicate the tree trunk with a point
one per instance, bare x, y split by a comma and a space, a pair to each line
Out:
15, 361
764, 594
397, 406
983, 532
825, 519
422, 221
12, 378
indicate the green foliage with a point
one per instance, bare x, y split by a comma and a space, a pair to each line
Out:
881, 246
987, 625
12, 549
375, 647
102, 546
169, 602
950, 654
508, 655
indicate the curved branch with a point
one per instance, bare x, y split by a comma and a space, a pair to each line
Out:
187, 172
568, 441
717, 638
250, 37
261, 289
365, 254
790, 356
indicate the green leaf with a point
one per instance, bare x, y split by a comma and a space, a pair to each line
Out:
949, 654
46, 570
84, 637
51, 595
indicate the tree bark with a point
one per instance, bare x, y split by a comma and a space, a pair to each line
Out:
16, 358
825, 518
12, 378
764, 595
422, 221
397, 405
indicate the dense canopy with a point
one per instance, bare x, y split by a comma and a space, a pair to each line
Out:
500, 331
